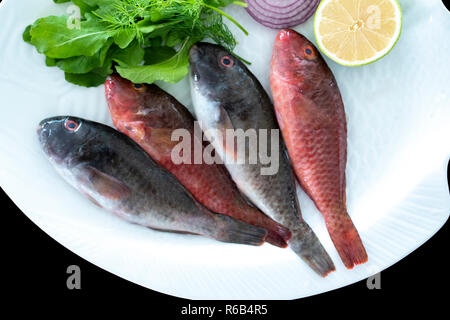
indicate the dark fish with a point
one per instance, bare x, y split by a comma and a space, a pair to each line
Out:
150, 116
116, 174
227, 95
311, 116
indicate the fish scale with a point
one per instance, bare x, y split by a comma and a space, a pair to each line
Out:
231, 91
117, 175
149, 116
309, 106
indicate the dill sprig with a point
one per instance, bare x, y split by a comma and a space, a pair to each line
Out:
196, 18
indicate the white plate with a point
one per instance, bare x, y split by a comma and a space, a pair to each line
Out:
398, 113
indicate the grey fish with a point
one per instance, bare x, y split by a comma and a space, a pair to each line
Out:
226, 95
117, 175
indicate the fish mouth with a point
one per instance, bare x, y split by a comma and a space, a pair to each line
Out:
194, 56
283, 35
110, 86
39, 129
43, 134
202, 71
199, 56
195, 52
289, 34
43, 131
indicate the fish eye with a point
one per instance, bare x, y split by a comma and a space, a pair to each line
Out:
226, 61
309, 52
139, 87
71, 125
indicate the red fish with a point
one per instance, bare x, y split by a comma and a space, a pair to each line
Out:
149, 115
311, 116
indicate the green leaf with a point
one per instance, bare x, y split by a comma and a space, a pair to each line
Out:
127, 32
26, 34
91, 5
224, 3
84, 64
155, 55
145, 26
129, 57
124, 37
98, 3
52, 37
93, 78
154, 42
170, 70
87, 5
84, 8
175, 38
50, 62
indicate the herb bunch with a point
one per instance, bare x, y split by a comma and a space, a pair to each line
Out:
143, 40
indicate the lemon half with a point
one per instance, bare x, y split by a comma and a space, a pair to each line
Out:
357, 32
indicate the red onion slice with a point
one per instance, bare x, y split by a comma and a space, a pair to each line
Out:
279, 14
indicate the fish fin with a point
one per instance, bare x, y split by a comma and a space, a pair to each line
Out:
87, 195
235, 231
159, 139
162, 137
106, 185
225, 123
346, 239
277, 234
276, 239
306, 245
134, 129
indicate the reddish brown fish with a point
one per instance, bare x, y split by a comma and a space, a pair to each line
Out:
149, 115
311, 116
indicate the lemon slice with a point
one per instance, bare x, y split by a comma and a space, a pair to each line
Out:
357, 32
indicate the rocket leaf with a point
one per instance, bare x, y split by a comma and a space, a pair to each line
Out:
52, 37
84, 64
131, 56
171, 70
155, 55
143, 40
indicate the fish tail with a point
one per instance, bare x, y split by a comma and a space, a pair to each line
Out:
346, 239
277, 234
275, 239
235, 231
305, 243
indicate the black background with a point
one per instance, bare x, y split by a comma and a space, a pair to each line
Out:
33, 280
34, 273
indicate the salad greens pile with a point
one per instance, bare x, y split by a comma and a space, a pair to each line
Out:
143, 40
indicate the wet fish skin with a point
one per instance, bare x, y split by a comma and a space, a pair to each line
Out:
149, 116
311, 115
117, 175
230, 97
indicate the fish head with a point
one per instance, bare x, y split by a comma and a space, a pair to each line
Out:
135, 107
216, 73
60, 136
125, 99
294, 57
221, 87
